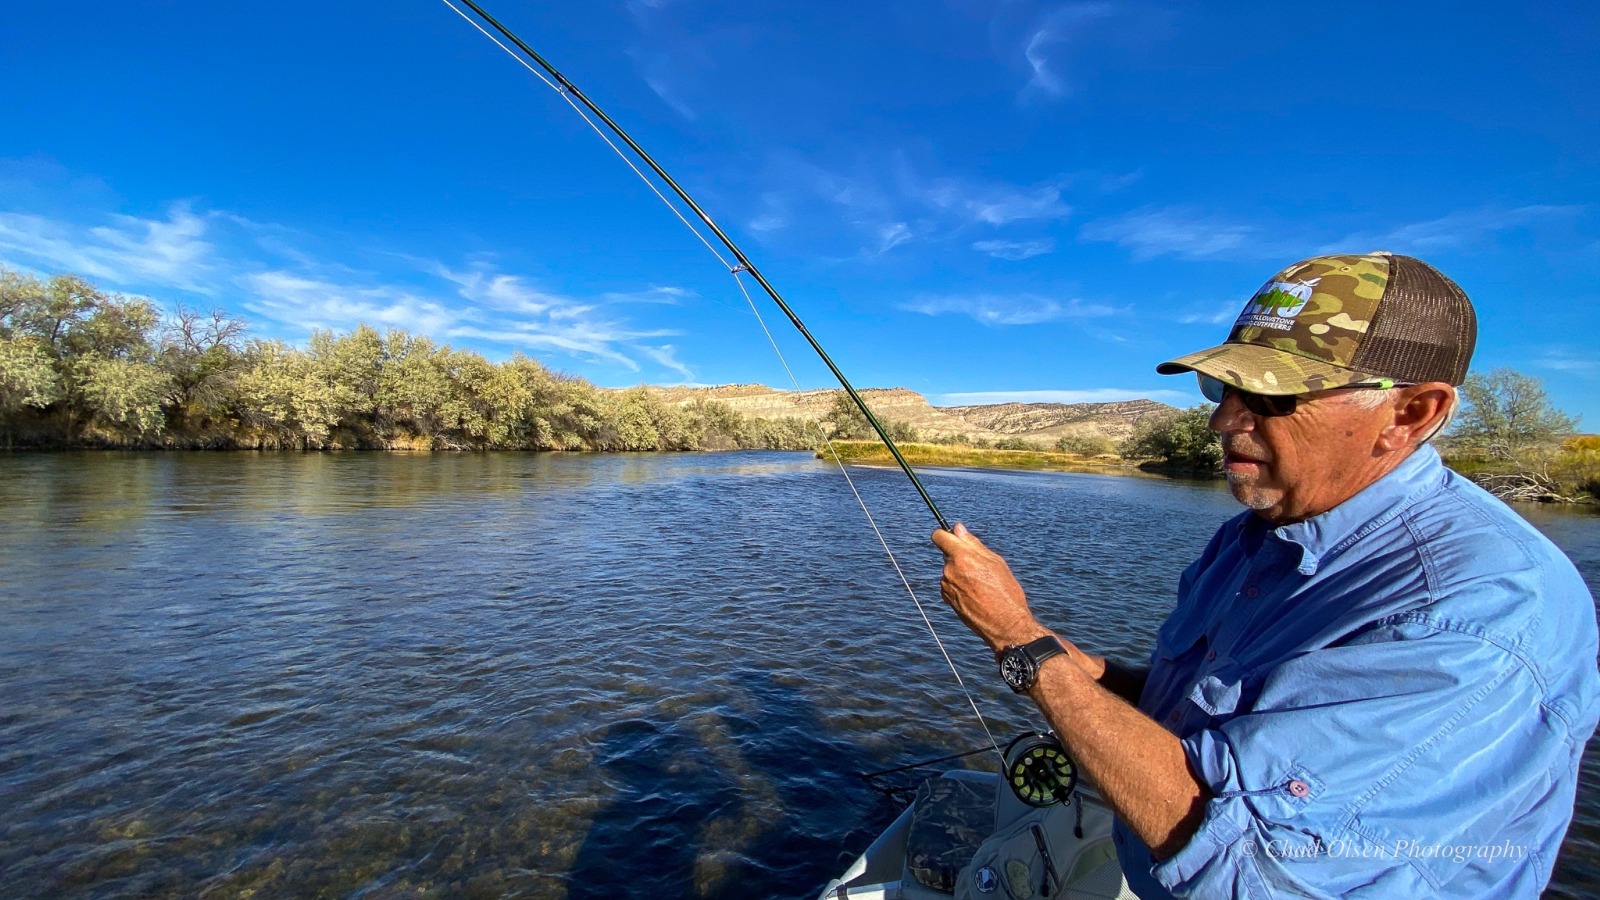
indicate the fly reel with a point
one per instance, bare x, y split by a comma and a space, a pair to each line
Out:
1039, 771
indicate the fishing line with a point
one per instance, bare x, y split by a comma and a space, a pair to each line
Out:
893, 561
570, 93
569, 89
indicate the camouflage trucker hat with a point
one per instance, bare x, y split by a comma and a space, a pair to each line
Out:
1337, 320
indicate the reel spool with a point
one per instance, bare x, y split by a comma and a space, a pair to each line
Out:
1039, 771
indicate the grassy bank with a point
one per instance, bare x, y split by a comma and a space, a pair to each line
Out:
875, 453
1568, 472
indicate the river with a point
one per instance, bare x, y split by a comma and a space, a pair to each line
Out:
518, 674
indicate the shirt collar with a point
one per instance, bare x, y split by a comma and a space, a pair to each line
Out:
1322, 536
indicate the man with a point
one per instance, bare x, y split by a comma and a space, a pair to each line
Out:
1378, 680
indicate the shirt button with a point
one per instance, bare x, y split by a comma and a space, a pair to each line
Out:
1211, 657
1299, 788
1172, 716
1252, 591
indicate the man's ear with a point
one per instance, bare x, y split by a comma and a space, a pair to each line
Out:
1419, 412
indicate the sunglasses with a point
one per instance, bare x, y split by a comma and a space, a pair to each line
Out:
1275, 404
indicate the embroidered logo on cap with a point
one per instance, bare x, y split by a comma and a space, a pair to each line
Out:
1276, 304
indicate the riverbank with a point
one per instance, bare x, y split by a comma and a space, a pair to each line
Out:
1571, 477
955, 456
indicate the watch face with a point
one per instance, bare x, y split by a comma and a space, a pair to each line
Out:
1017, 669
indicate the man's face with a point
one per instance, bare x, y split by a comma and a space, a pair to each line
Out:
1290, 468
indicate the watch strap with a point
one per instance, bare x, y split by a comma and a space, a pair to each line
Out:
1041, 649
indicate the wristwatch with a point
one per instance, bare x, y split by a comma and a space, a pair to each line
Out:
1019, 665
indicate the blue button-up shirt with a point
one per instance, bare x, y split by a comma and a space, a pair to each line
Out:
1390, 699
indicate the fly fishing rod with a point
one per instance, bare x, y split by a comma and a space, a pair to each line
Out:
743, 262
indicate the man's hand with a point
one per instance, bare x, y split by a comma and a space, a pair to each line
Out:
979, 586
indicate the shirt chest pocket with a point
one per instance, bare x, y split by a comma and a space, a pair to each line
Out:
1222, 691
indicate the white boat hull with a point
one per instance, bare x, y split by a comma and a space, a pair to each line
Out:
1075, 858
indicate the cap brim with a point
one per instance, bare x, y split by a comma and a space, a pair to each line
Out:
1264, 370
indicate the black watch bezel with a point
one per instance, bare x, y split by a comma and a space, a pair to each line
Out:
1019, 664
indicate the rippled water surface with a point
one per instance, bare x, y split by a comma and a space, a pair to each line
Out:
534, 675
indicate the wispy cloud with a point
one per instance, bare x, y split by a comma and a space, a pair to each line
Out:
1015, 309
1083, 395
266, 273
1177, 231
887, 201
1050, 44
1214, 315
1452, 231
1568, 361
170, 251
658, 84
487, 306
666, 356
672, 57
1015, 250
656, 294
893, 235
773, 215
313, 303
1186, 233
996, 204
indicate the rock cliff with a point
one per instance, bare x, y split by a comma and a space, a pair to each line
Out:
1056, 420
1042, 423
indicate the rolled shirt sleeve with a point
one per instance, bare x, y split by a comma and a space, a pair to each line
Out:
1365, 768
1390, 699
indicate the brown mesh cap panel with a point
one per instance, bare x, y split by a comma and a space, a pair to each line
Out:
1424, 330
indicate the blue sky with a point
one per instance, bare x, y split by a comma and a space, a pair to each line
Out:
980, 201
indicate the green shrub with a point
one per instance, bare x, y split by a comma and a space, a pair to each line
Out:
1180, 440
1086, 444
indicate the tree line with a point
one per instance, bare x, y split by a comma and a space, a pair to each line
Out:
82, 367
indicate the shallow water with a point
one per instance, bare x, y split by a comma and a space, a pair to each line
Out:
535, 675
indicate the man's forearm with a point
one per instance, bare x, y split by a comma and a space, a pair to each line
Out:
1124, 681
1138, 766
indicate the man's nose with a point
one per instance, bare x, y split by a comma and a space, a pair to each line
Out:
1231, 415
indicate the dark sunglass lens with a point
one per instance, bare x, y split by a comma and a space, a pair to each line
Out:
1268, 404
1211, 388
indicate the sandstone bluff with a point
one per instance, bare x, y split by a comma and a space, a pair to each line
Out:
1037, 422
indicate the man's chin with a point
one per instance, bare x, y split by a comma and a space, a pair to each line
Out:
1248, 492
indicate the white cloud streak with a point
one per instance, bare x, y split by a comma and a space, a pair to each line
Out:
1050, 44
1175, 231
1568, 361
171, 251
312, 303
1188, 234
666, 356
998, 309
1216, 315
997, 204
891, 205
893, 235
1452, 231
263, 271
1015, 250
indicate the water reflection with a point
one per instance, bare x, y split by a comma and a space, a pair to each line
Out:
539, 675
